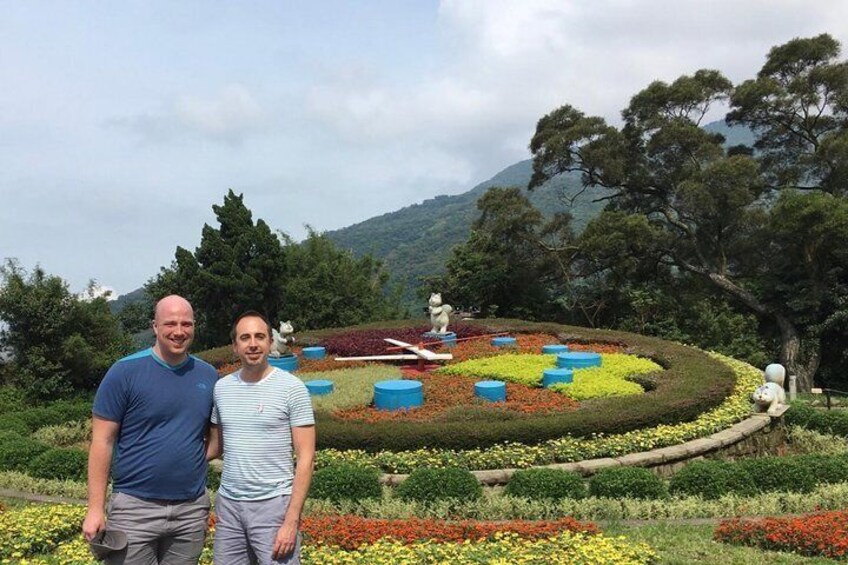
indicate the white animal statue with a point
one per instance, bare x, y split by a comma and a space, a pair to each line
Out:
439, 314
282, 340
770, 396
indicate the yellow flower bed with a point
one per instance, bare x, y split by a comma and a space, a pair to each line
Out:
506, 549
37, 529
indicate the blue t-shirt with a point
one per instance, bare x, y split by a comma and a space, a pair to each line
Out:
163, 412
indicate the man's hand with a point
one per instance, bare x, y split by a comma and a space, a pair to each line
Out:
286, 539
95, 520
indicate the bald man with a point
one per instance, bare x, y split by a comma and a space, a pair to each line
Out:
151, 413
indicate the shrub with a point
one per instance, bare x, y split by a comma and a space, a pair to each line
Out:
15, 454
827, 469
55, 414
784, 474
827, 421
13, 423
65, 435
428, 484
546, 484
627, 482
346, 482
712, 479
213, 478
60, 464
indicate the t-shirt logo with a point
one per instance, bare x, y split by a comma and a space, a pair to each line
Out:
202, 386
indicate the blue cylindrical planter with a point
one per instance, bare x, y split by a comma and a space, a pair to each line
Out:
286, 362
395, 395
319, 387
503, 341
494, 391
314, 352
578, 360
554, 348
448, 339
555, 376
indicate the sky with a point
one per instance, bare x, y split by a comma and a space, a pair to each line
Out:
122, 123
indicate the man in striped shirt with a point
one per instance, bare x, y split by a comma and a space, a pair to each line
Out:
262, 417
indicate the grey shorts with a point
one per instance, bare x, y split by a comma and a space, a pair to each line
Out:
245, 531
158, 532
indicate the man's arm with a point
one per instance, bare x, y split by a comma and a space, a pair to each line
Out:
214, 442
103, 435
303, 440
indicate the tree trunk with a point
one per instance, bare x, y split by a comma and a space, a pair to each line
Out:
790, 348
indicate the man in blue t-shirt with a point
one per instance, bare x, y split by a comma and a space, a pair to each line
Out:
149, 426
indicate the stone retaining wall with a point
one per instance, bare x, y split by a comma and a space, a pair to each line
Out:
758, 435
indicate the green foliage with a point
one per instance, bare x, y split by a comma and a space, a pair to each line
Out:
825, 469
65, 435
346, 482
327, 287
695, 209
243, 265
61, 342
627, 482
428, 484
546, 484
213, 478
785, 474
827, 421
711, 479
14, 424
501, 267
60, 464
16, 453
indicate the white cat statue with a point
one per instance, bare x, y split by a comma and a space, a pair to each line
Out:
282, 340
770, 396
439, 314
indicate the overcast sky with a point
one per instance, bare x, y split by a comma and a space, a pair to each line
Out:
122, 123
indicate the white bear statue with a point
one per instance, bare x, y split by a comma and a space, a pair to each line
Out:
771, 396
282, 340
439, 314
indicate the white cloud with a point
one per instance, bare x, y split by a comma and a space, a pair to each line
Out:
230, 116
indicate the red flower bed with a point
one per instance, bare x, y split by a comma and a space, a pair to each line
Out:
822, 534
351, 532
371, 342
442, 392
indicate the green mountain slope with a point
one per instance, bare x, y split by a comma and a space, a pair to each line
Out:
415, 241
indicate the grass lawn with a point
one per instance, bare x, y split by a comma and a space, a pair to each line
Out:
678, 544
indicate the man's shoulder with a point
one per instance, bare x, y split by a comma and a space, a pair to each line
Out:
284, 378
202, 366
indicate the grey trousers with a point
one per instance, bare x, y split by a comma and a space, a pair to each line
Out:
245, 531
158, 532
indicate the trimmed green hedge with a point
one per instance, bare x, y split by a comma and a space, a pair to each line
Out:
826, 421
627, 482
346, 482
692, 383
711, 480
546, 484
60, 464
429, 485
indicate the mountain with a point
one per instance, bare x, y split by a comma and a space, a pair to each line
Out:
415, 241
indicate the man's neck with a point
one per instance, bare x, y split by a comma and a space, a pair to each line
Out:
256, 373
172, 360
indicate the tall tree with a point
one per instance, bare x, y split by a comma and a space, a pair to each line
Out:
61, 342
243, 265
709, 208
238, 266
328, 286
503, 267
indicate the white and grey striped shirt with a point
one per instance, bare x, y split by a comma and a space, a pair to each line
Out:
256, 421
